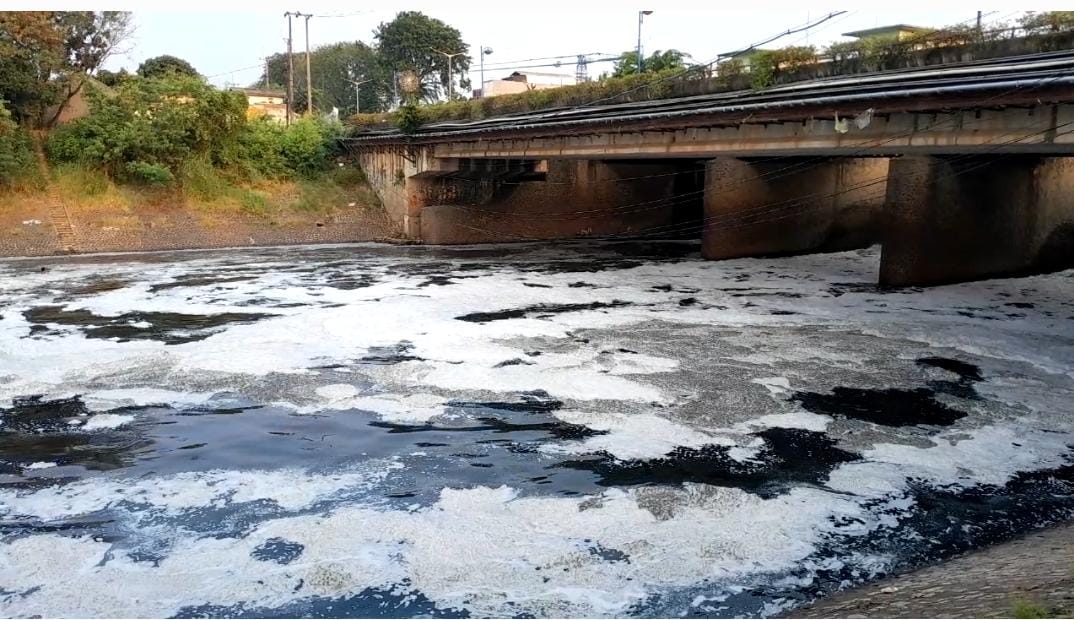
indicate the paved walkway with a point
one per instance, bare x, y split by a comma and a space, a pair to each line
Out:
1019, 578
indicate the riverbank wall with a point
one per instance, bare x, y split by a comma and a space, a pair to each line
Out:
31, 226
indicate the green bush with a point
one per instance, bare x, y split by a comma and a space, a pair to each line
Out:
17, 162
763, 66
253, 202
306, 147
77, 180
409, 117
156, 130
200, 179
145, 173
261, 149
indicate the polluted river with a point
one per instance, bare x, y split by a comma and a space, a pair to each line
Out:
617, 429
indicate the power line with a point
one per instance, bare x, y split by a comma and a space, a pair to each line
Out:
565, 56
334, 15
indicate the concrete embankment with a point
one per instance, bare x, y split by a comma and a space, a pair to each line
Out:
28, 227
1031, 577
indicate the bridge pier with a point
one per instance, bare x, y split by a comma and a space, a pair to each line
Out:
952, 219
791, 205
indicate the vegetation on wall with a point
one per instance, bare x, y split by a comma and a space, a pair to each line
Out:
657, 62
635, 87
759, 69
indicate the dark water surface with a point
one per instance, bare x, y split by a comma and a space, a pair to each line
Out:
533, 430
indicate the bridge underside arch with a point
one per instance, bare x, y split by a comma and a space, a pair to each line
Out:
565, 199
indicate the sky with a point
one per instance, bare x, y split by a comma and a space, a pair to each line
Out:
227, 41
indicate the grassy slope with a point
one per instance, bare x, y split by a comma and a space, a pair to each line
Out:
215, 197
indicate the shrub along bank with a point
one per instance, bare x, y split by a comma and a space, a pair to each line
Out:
18, 170
175, 139
164, 131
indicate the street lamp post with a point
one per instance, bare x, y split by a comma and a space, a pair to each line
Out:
484, 50
641, 18
357, 93
450, 73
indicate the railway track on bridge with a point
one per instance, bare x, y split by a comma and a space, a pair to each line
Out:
993, 83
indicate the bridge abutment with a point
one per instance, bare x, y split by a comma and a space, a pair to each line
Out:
960, 218
791, 205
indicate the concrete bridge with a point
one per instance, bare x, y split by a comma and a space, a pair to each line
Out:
960, 172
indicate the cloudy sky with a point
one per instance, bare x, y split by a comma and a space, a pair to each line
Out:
228, 41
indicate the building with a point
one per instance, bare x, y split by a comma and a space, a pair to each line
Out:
898, 32
264, 102
522, 81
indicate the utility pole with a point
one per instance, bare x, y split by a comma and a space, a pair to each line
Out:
450, 73
395, 90
357, 92
309, 80
641, 18
266, 72
290, 69
978, 24
484, 50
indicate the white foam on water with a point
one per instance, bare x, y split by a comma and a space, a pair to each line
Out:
103, 421
483, 549
461, 355
776, 386
406, 408
480, 548
103, 400
803, 420
39, 465
289, 489
632, 435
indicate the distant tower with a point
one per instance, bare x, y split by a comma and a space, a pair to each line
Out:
581, 70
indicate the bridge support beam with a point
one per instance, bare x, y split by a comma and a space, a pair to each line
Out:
952, 219
791, 206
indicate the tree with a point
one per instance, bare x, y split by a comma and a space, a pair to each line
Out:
112, 79
1047, 21
16, 152
658, 61
413, 42
332, 67
31, 47
338, 64
160, 66
90, 37
43, 54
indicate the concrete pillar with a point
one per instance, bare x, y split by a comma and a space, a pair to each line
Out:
952, 219
404, 181
791, 206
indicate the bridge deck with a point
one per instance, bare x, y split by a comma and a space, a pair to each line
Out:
993, 84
